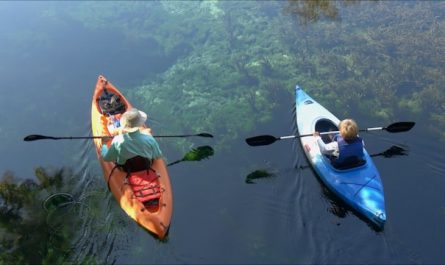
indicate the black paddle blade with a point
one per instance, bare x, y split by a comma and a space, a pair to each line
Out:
402, 126
261, 140
205, 135
34, 137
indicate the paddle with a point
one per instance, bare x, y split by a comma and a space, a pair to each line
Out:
196, 154
35, 137
402, 126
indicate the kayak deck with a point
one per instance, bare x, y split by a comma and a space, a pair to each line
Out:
155, 218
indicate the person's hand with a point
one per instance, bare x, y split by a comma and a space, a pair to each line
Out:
315, 134
106, 140
145, 131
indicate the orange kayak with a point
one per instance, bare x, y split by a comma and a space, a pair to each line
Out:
153, 217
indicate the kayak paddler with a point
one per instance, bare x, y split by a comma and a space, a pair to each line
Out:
346, 148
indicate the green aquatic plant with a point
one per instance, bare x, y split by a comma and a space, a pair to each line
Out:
27, 231
227, 60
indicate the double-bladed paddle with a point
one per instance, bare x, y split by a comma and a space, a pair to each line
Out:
35, 137
396, 127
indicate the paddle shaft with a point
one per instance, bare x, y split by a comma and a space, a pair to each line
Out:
330, 132
35, 137
75, 137
269, 139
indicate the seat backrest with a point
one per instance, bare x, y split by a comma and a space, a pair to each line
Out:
137, 163
349, 162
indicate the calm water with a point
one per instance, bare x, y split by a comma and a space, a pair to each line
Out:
51, 54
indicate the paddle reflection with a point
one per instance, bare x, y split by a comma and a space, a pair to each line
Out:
394, 150
196, 154
258, 174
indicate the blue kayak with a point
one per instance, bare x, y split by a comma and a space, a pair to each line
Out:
358, 185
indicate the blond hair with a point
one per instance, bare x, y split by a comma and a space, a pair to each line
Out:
348, 129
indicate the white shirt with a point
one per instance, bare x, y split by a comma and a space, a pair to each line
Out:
330, 148
327, 149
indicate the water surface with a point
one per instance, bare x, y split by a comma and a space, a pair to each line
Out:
227, 68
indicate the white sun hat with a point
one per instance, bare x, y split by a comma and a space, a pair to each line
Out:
132, 119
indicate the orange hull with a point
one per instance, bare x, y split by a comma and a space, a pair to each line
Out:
155, 219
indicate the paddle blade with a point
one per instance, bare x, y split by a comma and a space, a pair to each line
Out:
34, 137
261, 140
205, 135
402, 126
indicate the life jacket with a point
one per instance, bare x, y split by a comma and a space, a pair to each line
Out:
350, 153
142, 178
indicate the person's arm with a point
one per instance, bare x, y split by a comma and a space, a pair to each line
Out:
328, 149
109, 154
153, 146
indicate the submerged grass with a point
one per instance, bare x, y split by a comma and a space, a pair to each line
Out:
229, 59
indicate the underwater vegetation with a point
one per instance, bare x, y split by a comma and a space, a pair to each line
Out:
225, 62
372, 62
38, 220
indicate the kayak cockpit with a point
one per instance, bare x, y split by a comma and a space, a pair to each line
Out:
325, 125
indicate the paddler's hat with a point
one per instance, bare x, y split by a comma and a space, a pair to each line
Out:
132, 119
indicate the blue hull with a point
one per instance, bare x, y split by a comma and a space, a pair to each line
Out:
360, 187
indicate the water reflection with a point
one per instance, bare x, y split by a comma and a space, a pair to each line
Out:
56, 219
60, 220
394, 150
26, 226
196, 154
340, 209
258, 174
